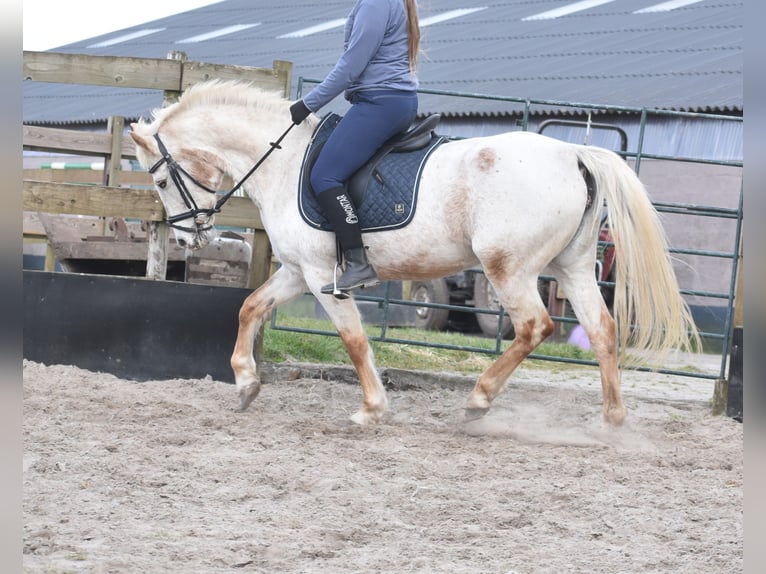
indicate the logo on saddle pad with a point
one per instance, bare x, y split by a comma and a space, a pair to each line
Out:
384, 191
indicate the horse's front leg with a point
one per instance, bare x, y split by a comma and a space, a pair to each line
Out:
345, 316
283, 286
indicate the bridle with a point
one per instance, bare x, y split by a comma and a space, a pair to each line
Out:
176, 174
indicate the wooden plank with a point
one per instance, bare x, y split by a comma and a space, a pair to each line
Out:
145, 73
92, 200
71, 228
32, 225
136, 178
123, 202
209, 272
130, 251
240, 212
76, 142
266, 78
71, 141
223, 262
86, 176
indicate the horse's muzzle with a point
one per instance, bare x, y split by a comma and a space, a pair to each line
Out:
195, 238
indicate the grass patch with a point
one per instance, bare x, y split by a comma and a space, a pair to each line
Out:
289, 346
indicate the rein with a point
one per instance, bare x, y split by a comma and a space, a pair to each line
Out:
176, 171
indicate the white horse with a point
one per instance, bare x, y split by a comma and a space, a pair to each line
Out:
515, 204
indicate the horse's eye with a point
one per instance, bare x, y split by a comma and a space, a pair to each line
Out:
162, 184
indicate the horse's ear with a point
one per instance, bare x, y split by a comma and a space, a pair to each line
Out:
140, 140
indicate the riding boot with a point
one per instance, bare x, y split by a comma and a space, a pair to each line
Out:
358, 273
340, 212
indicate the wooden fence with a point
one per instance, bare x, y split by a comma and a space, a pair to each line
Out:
110, 196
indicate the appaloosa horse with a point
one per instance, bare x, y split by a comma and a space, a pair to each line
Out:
514, 204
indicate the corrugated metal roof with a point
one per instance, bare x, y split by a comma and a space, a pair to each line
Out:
689, 58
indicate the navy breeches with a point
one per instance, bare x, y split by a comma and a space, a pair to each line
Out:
374, 117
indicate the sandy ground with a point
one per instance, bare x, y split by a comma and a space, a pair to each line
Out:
165, 477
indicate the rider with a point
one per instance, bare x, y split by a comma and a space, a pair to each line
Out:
376, 72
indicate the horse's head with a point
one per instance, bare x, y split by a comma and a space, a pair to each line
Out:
186, 181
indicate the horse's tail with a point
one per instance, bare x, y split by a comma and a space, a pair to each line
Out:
648, 307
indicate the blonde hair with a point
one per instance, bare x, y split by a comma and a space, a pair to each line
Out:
413, 32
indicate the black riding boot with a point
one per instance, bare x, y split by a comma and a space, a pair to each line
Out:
341, 214
358, 273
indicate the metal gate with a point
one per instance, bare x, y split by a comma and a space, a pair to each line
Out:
715, 333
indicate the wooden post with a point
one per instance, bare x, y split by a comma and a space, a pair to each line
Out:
260, 264
112, 162
158, 232
112, 166
171, 96
285, 68
50, 257
260, 269
158, 235
556, 308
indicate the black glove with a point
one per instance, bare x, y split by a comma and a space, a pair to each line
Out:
299, 112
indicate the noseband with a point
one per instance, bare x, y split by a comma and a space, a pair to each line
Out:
177, 171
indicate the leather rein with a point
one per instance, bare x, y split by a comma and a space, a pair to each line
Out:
176, 174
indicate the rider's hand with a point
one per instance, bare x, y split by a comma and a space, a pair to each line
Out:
299, 112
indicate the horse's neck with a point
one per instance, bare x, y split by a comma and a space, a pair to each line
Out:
273, 185
246, 141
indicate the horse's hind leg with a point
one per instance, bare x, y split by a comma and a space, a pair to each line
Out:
532, 325
280, 288
582, 291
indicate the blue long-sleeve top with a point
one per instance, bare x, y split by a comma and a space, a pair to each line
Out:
375, 54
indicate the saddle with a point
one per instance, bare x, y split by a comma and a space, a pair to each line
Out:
384, 190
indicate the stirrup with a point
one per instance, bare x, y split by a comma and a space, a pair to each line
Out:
337, 293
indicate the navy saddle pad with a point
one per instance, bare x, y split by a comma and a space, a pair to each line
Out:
384, 191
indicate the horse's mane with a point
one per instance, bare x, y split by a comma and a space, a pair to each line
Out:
226, 92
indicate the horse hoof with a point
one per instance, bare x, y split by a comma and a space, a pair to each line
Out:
615, 417
363, 418
473, 414
247, 395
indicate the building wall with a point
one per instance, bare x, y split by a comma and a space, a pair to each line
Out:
699, 185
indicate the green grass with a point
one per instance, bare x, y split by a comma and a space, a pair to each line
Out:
287, 346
